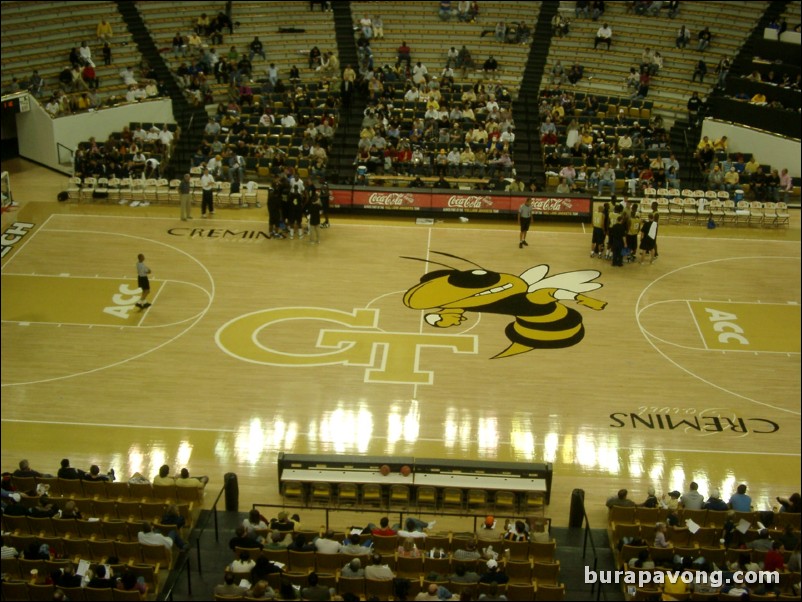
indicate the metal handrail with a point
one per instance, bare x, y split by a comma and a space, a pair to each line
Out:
588, 536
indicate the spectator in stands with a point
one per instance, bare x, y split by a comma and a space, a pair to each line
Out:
256, 47
253, 523
493, 574
194, 42
606, 179
730, 184
68, 472
242, 539
354, 546
353, 569
500, 31
490, 66
694, 104
327, 544
419, 73
699, 71
604, 35
467, 553
620, 499
99, 578
104, 31
597, 9
163, 478
184, 480
228, 587
714, 502
378, 570
279, 540
559, 25
692, 499
25, 470
94, 474
673, 8
150, 537
786, 186
202, 24
660, 540
792, 503
704, 37
299, 544
715, 180
179, 45
85, 54
575, 74
242, 564
683, 37
127, 74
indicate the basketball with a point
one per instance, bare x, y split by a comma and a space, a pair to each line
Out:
406, 470
385, 470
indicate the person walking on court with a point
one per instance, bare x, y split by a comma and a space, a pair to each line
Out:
184, 197
524, 221
142, 272
207, 200
315, 208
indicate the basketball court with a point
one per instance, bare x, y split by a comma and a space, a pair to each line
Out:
687, 369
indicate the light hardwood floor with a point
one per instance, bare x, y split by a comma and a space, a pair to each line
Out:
214, 377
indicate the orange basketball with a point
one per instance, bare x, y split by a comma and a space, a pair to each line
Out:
406, 471
385, 470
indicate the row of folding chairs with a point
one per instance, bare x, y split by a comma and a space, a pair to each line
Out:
106, 522
24, 590
704, 518
542, 552
117, 490
152, 191
386, 589
405, 497
679, 536
718, 555
91, 550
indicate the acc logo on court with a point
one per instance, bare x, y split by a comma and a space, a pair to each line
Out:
349, 339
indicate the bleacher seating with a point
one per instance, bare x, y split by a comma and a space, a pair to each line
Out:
33, 41
631, 532
605, 71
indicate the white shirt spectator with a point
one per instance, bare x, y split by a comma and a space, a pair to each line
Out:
86, 54
288, 121
128, 76
419, 73
166, 137
212, 128
155, 539
412, 95
53, 108
604, 32
327, 546
153, 134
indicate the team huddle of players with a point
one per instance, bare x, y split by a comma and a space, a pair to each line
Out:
616, 226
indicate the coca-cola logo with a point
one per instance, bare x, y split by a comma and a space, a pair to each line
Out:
470, 202
551, 204
391, 199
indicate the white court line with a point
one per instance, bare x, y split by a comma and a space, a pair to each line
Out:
211, 294
261, 223
645, 335
696, 322
161, 427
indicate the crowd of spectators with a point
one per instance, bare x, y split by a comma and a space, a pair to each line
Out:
423, 122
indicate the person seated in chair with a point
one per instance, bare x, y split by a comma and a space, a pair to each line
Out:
184, 480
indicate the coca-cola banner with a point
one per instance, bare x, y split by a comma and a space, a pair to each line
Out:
456, 202
555, 205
